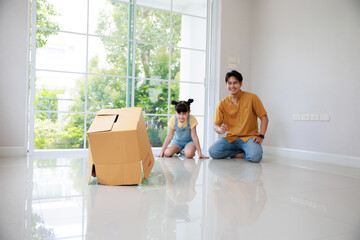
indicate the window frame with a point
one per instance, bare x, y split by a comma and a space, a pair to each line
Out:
132, 78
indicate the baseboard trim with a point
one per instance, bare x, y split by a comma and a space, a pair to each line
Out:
13, 151
342, 160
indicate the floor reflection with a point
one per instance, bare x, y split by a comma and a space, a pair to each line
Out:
170, 204
63, 205
238, 196
183, 199
181, 176
56, 204
183, 202
118, 213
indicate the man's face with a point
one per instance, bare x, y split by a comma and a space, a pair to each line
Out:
233, 85
182, 116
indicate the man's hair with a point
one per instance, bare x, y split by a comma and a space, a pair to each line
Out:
182, 106
235, 74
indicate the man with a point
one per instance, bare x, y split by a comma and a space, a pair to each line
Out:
237, 116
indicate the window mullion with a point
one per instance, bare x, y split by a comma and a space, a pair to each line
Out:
170, 53
130, 62
33, 76
86, 72
133, 55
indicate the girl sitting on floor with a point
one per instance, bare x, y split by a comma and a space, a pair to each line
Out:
183, 125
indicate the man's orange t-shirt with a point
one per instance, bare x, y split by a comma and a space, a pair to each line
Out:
242, 118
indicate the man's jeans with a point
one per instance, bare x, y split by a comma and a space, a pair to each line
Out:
223, 149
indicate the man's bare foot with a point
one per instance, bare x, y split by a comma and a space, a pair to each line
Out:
239, 155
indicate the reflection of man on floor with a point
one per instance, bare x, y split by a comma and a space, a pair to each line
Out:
180, 177
239, 196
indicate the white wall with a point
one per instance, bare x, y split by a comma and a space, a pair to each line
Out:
13, 76
298, 56
306, 59
231, 39
235, 41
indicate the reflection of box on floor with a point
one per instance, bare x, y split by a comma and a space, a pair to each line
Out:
118, 144
118, 213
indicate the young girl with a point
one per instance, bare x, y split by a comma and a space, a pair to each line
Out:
183, 125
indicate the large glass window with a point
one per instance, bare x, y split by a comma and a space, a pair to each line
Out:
92, 54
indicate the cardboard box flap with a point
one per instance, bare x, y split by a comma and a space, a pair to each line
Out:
104, 112
128, 119
102, 123
91, 165
125, 124
119, 174
145, 149
148, 164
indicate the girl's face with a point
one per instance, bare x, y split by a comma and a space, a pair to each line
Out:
182, 116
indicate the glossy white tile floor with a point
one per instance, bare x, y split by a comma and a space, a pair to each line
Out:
183, 199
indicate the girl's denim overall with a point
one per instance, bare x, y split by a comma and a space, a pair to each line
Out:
182, 135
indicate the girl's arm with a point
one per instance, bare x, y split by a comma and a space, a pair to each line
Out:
196, 142
167, 141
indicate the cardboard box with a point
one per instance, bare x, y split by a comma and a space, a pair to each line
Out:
118, 146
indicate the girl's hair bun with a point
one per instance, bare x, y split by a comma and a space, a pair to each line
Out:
182, 106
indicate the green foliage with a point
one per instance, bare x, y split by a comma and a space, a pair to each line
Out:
175, 65
45, 99
113, 21
71, 133
157, 129
44, 131
151, 61
65, 133
38, 230
152, 26
45, 11
151, 96
52, 132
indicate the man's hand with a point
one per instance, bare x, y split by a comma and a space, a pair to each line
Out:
221, 129
258, 139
